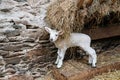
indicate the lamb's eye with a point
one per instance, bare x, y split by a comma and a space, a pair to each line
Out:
56, 35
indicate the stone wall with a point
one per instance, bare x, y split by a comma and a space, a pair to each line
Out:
24, 45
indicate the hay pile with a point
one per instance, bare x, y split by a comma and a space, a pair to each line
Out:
61, 15
74, 15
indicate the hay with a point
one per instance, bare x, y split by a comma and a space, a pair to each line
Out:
61, 15
115, 75
74, 15
102, 12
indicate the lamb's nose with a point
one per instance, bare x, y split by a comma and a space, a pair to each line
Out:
51, 40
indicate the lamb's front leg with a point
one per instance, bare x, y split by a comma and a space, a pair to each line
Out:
61, 57
57, 60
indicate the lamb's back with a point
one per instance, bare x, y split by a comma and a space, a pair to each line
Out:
79, 38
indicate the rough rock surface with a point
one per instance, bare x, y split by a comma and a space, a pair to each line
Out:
23, 51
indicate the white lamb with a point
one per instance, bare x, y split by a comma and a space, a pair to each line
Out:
75, 39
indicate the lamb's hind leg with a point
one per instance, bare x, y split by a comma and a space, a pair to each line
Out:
90, 60
92, 55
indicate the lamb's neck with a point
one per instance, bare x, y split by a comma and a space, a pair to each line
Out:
63, 43
58, 44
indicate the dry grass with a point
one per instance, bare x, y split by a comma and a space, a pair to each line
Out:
115, 75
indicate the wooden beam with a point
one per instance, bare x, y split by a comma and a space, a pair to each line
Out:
76, 74
103, 32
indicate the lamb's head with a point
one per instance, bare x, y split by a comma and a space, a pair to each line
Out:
54, 34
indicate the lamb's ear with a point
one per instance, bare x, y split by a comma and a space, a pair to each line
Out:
61, 32
47, 29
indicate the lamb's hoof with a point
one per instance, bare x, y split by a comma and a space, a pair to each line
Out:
58, 66
89, 64
94, 66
